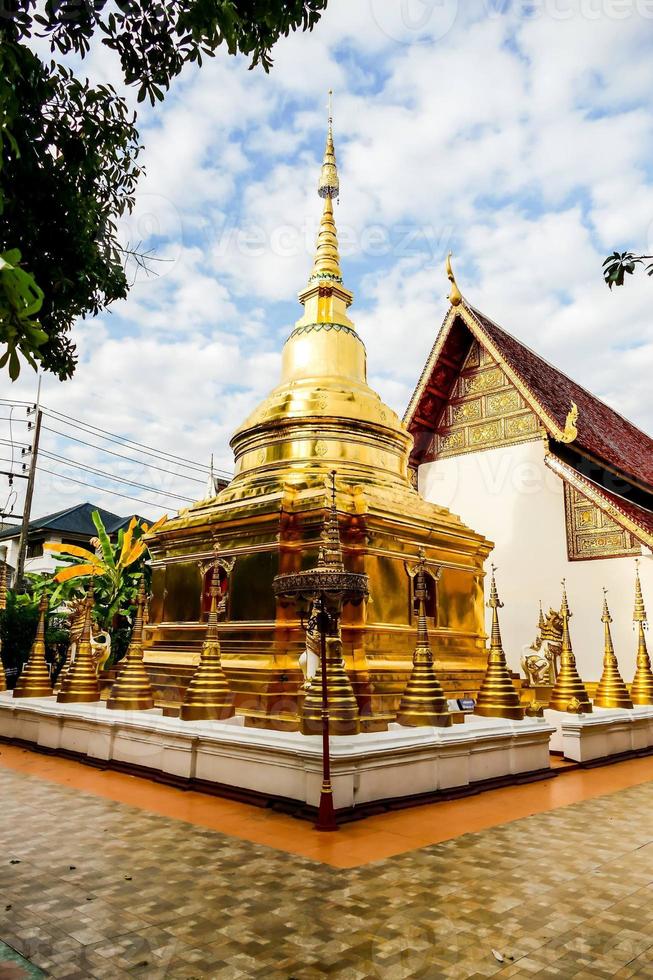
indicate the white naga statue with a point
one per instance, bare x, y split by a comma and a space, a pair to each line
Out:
309, 660
541, 660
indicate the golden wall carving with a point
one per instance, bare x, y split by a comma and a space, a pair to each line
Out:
485, 410
591, 533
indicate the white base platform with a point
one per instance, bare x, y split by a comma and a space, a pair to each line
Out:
604, 733
398, 763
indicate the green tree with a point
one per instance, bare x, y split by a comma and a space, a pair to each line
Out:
69, 150
620, 264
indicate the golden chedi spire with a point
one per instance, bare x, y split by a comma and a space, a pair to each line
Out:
208, 695
423, 701
641, 691
80, 685
34, 681
611, 692
568, 686
344, 718
498, 696
132, 690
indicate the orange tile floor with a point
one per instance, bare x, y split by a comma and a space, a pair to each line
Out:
355, 844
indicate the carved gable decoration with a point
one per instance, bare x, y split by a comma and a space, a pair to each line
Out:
484, 410
591, 533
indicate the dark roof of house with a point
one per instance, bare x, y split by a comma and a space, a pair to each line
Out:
603, 434
72, 520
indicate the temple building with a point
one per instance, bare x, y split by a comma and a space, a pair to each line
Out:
322, 417
560, 481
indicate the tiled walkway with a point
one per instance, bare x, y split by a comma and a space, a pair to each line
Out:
93, 887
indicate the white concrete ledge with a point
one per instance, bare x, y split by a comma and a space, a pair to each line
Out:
399, 763
604, 733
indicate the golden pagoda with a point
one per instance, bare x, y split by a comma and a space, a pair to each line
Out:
568, 686
611, 692
208, 695
641, 690
80, 685
323, 416
34, 680
498, 696
132, 690
423, 702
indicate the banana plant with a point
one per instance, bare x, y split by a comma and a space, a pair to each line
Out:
114, 568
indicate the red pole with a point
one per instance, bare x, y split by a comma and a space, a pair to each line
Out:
326, 816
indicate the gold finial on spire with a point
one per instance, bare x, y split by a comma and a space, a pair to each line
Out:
329, 185
80, 685
611, 692
542, 622
423, 701
641, 690
34, 681
132, 690
498, 696
455, 296
570, 433
568, 686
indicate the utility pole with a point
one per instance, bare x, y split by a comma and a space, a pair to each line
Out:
29, 493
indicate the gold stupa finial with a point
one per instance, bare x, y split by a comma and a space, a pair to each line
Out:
455, 296
611, 692
497, 697
132, 690
641, 690
330, 548
568, 686
542, 622
570, 433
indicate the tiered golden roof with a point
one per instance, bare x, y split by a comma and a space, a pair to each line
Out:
498, 696
568, 687
34, 681
423, 701
132, 691
80, 685
641, 690
611, 692
208, 695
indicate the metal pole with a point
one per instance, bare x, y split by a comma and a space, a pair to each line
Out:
29, 493
326, 816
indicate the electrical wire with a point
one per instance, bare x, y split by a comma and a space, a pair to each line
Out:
111, 437
109, 476
70, 479
129, 459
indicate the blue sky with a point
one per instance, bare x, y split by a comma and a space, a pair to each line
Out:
519, 135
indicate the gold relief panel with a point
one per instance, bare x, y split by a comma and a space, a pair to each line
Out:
465, 412
452, 442
503, 402
473, 359
486, 434
591, 533
483, 381
520, 426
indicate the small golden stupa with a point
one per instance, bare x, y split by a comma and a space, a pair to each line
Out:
568, 686
208, 695
498, 696
611, 692
323, 416
80, 685
132, 690
34, 681
641, 691
423, 701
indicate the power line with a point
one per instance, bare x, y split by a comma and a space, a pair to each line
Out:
111, 437
116, 479
129, 459
70, 479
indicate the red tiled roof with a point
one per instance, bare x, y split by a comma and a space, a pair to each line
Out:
624, 512
602, 432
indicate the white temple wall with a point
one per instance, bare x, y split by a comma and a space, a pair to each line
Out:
510, 495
